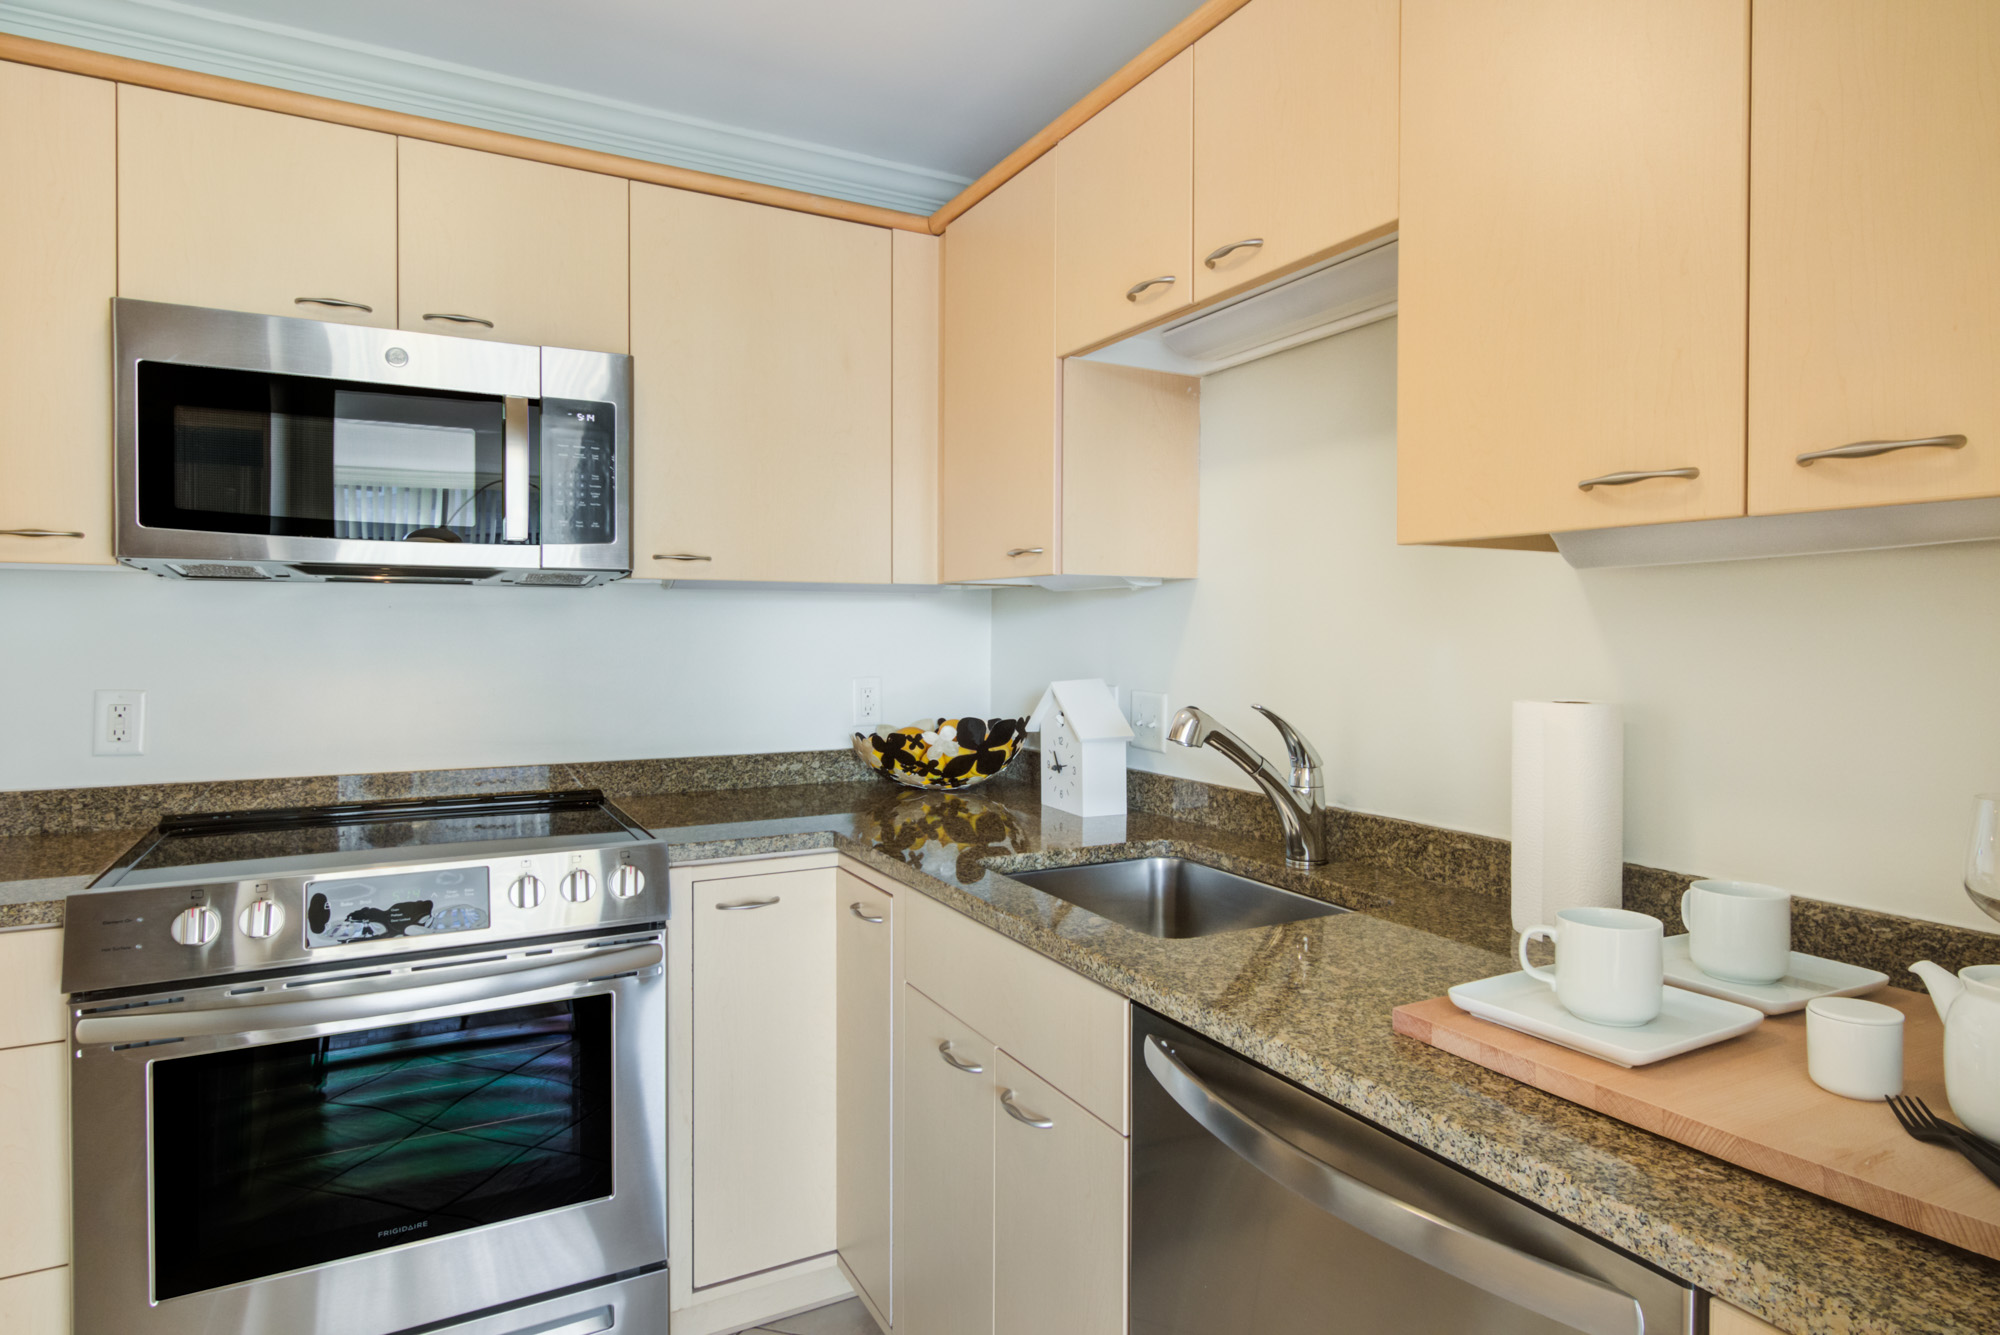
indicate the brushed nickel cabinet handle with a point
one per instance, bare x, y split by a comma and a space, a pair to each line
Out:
855, 909
334, 301
1250, 243
39, 533
1022, 1115
970, 1068
1868, 449
749, 904
1024, 551
680, 556
458, 319
1627, 479
1164, 280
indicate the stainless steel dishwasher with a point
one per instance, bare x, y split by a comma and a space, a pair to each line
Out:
1260, 1209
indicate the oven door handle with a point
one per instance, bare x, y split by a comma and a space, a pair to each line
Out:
378, 1003
1527, 1281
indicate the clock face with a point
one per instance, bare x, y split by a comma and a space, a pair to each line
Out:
1059, 762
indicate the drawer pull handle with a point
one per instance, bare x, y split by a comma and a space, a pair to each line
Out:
680, 556
1022, 1115
855, 909
458, 319
970, 1068
1627, 479
749, 904
1024, 551
1868, 449
39, 533
335, 301
1249, 244
1164, 280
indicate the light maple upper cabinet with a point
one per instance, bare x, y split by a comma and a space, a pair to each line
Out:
761, 356
1294, 136
247, 210
1574, 191
1002, 388
1875, 254
507, 249
1124, 181
58, 273
1131, 447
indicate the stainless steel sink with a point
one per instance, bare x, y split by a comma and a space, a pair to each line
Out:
1173, 897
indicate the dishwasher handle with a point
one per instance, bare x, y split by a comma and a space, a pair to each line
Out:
1527, 1281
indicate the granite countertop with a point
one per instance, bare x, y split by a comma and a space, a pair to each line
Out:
1311, 1000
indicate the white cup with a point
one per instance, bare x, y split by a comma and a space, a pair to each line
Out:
1854, 1048
1608, 967
1737, 931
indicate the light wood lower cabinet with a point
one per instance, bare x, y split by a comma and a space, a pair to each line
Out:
944, 1222
33, 1008
34, 1157
35, 1304
247, 210
864, 936
58, 273
1726, 1320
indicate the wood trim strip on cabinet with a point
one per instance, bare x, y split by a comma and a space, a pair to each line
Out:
1176, 40
144, 74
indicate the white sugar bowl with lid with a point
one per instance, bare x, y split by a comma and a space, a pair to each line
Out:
1854, 1048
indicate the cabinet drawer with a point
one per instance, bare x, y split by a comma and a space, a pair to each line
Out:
1062, 1026
32, 1008
36, 1304
34, 1158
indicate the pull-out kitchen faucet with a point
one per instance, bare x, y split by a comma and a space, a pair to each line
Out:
1300, 801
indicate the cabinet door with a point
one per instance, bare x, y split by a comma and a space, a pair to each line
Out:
1002, 385
761, 345
944, 1226
507, 249
864, 930
247, 210
1131, 471
1124, 181
1726, 1320
36, 1304
33, 1008
1294, 136
1572, 268
34, 1157
58, 273
1875, 185
1059, 1213
764, 1045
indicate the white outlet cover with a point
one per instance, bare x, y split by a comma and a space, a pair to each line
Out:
867, 701
1149, 720
118, 724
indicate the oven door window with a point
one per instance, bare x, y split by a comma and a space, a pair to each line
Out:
291, 456
290, 1155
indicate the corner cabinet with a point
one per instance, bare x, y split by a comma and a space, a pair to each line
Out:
1575, 187
58, 273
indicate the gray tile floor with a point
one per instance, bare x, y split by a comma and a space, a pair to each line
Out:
842, 1318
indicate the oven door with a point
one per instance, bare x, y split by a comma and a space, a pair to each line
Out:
360, 1154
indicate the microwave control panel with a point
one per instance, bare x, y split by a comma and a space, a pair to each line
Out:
579, 456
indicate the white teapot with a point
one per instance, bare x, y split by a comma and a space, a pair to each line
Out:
1969, 1005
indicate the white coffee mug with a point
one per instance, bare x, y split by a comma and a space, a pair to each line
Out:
1608, 967
1738, 931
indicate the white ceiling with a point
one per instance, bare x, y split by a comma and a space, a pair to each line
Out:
932, 91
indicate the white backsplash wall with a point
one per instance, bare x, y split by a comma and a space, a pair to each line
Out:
324, 679
1819, 723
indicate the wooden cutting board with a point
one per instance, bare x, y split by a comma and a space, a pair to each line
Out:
1750, 1102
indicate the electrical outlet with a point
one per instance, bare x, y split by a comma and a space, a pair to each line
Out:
118, 725
1149, 720
867, 701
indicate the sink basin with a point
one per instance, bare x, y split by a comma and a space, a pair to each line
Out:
1173, 897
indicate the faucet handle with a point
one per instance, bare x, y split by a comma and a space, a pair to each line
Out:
1304, 755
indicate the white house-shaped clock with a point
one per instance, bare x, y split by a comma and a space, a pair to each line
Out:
1083, 747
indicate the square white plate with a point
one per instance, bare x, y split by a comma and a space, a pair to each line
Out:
1807, 977
1687, 1020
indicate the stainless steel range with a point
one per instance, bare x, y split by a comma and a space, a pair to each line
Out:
362, 1069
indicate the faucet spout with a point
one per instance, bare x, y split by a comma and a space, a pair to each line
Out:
1297, 795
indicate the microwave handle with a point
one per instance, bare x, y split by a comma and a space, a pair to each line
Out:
516, 448
1528, 1281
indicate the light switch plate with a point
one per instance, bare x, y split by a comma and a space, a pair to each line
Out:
118, 724
1149, 720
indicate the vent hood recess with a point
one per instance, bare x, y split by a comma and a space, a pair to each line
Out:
1330, 298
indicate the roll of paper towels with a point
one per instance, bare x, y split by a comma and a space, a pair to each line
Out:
1569, 808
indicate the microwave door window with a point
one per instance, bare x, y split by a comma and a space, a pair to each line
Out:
410, 469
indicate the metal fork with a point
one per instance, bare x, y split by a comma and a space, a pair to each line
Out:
1924, 1125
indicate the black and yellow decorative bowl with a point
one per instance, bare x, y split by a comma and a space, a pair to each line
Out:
943, 753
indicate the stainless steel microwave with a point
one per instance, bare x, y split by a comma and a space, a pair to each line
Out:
251, 447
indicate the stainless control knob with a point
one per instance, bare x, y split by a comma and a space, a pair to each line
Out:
196, 926
525, 893
261, 918
578, 886
627, 881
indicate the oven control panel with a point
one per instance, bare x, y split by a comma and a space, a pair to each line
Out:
117, 938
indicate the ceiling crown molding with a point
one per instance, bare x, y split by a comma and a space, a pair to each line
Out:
188, 37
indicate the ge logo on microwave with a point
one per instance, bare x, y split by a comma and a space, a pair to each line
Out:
396, 357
